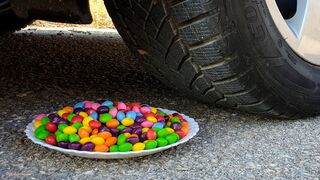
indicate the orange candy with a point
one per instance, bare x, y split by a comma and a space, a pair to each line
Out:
83, 133
68, 109
113, 123
185, 129
111, 141
105, 135
95, 131
134, 135
101, 148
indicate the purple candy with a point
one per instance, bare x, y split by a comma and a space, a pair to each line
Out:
140, 119
89, 146
176, 126
52, 116
102, 109
136, 125
104, 129
63, 144
78, 110
102, 101
62, 121
132, 140
137, 131
75, 146
143, 137
126, 130
114, 132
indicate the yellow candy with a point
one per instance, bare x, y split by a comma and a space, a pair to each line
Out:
83, 114
61, 112
37, 124
127, 122
169, 123
169, 130
86, 128
97, 141
145, 129
127, 135
153, 110
152, 119
69, 130
93, 136
84, 140
86, 121
138, 146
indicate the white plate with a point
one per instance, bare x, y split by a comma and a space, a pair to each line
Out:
193, 129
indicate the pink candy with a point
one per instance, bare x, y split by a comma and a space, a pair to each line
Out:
121, 106
113, 112
40, 116
145, 110
95, 106
146, 124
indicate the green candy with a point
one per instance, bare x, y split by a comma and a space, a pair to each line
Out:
110, 107
45, 120
62, 126
156, 129
62, 137
162, 142
77, 125
74, 138
121, 139
172, 138
40, 128
104, 118
121, 127
70, 116
175, 119
151, 144
42, 134
114, 148
162, 133
125, 147
58, 132
162, 113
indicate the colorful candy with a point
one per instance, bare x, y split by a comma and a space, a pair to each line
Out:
106, 126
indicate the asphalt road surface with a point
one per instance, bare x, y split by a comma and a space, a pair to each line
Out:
44, 70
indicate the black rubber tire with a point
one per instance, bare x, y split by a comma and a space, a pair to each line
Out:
224, 52
10, 22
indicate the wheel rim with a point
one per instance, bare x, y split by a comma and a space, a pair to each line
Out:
4, 6
301, 30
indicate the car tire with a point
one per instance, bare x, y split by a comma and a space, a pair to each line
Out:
224, 52
8, 20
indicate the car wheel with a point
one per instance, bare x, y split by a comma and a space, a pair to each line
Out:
229, 53
8, 20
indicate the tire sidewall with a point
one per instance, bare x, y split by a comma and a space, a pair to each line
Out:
282, 70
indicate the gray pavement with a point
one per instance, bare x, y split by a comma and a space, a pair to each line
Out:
42, 71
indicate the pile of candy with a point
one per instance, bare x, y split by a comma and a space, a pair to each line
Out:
110, 127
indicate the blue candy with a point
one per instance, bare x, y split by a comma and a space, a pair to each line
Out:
139, 114
78, 105
120, 115
107, 103
158, 125
94, 115
131, 115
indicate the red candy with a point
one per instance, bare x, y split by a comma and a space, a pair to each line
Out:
151, 134
95, 124
181, 133
51, 139
77, 118
51, 127
65, 115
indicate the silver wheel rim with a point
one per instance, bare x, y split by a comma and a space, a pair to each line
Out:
4, 6
302, 31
